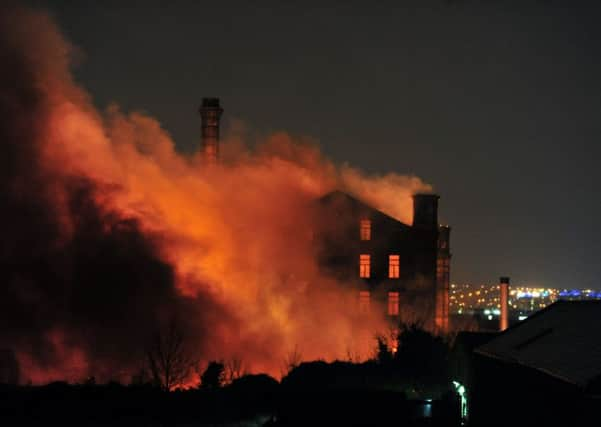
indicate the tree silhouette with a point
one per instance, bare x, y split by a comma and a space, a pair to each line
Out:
422, 354
292, 360
168, 358
234, 369
212, 377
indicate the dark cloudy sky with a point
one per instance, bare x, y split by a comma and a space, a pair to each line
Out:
495, 103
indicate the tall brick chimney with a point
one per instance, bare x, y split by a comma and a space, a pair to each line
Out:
504, 303
210, 114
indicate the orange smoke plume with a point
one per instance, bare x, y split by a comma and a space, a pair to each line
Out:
227, 249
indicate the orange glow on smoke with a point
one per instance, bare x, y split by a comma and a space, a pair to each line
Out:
239, 231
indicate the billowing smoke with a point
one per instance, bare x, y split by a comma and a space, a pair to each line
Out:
107, 231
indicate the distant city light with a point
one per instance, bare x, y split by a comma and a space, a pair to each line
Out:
523, 300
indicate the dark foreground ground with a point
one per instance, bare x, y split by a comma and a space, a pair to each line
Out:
107, 405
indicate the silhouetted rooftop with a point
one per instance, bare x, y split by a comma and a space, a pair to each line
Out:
338, 195
562, 340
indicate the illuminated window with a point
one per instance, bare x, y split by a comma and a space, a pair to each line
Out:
364, 266
365, 229
393, 266
393, 303
363, 301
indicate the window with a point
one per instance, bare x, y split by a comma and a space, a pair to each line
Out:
393, 266
365, 229
364, 266
393, 303
363, 301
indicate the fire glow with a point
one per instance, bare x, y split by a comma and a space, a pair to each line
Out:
226, 249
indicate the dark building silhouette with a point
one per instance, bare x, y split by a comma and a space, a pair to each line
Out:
403, 268
545, 369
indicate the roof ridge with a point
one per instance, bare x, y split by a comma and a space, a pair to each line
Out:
357, 199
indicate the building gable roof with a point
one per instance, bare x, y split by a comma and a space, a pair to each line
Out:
563, 340
358, 205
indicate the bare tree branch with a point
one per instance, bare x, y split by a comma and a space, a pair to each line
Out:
234, 369
291, 361
168, 358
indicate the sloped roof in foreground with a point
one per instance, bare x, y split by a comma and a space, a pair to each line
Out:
563, 340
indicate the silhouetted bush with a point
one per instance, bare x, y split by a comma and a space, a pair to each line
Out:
383, 353
319, 375
422, 356
212, 377
260, 383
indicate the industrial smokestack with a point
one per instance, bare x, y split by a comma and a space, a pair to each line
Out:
210, 114
504, 300
425, 210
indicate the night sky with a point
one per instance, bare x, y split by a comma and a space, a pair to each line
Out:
496, 104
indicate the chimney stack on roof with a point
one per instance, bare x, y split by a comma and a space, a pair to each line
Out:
425, 210
210, 114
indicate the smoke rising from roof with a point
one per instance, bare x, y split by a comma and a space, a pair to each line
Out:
107, 230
